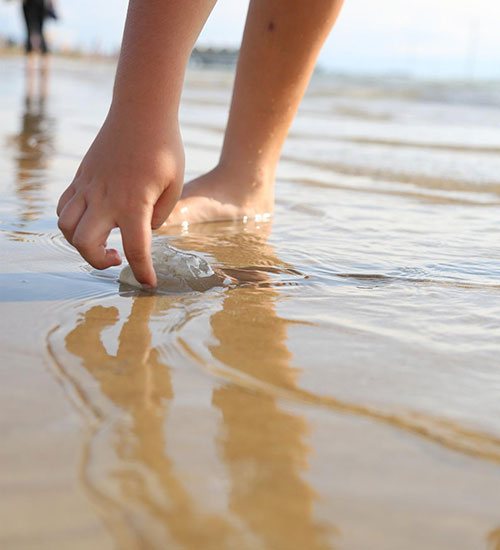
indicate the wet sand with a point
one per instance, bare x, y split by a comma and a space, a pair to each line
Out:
343, 393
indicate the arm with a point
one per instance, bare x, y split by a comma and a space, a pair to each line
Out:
281, 43
131, 176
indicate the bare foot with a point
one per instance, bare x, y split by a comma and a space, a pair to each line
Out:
222, 195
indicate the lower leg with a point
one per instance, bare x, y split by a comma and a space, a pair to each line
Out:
43, 42
30, 73
280, 47
44, 75
44, 64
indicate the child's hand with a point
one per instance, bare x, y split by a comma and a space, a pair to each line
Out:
130, 178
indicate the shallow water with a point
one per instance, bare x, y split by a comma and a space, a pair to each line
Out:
343, 394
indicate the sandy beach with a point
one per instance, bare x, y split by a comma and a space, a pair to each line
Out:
341, 393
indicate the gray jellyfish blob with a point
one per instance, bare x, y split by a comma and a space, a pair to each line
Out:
177, 271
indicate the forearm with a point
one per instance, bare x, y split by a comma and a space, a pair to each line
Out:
158, 39
132, 174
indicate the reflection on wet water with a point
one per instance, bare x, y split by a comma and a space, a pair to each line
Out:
34, 148
134, 391
127, 400
265, 448
339, 390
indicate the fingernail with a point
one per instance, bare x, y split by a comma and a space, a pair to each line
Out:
146, 286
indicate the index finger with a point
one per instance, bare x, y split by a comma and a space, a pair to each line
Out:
136, 237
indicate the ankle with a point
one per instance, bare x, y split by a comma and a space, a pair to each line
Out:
248, 176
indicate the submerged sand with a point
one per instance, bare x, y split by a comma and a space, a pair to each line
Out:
342, 392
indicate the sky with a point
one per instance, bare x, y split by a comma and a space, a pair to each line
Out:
432, 38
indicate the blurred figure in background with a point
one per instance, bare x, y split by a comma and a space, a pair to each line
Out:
35, 12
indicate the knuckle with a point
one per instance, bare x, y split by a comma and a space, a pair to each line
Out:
89, 195
92, 192
135, 206
63, 225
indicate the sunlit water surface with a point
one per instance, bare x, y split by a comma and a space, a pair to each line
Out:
342, 393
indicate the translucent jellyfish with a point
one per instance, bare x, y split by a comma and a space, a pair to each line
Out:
177, 271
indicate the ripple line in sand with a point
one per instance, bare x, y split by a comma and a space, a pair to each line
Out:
54, 241
261, 276
437, 430
422, 145
60, 242
488, 198
381, 174
387, 279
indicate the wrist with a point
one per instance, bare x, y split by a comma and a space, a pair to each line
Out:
152, 105
140, 114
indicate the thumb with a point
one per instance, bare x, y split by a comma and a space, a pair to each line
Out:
165, 204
